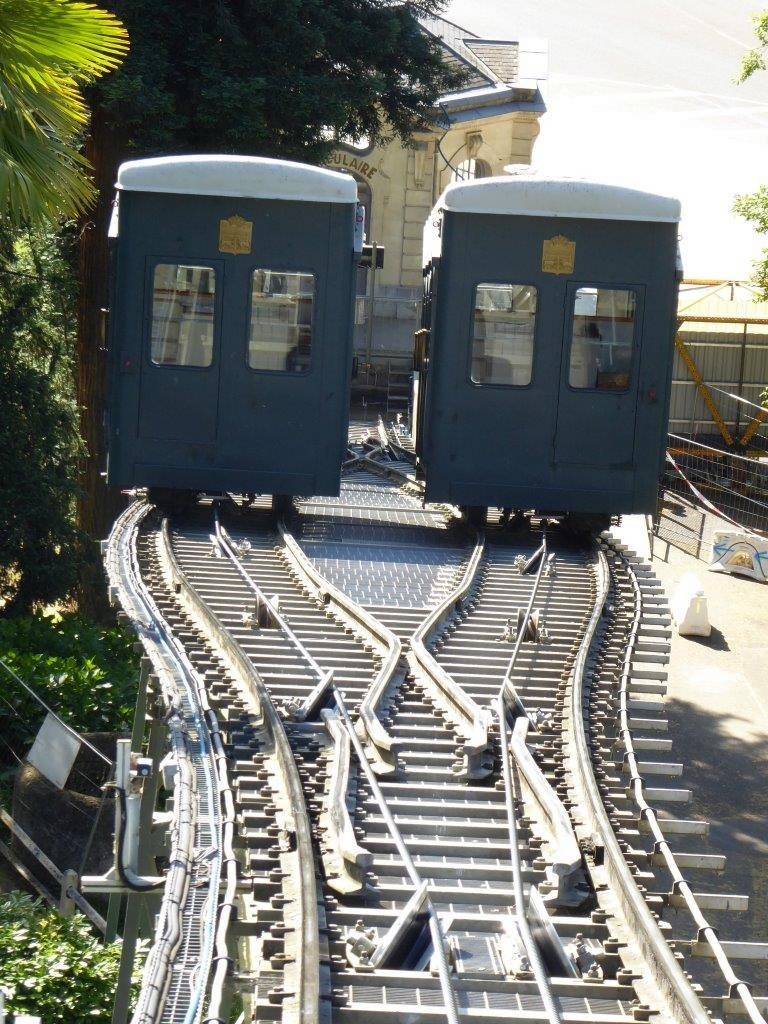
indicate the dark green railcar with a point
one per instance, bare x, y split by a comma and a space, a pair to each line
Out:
230, 338
550, 316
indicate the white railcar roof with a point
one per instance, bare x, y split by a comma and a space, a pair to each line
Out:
246, 177
525, 196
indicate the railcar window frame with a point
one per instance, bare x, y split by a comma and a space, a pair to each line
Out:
216, 268
536, 289
298, 272
574, 287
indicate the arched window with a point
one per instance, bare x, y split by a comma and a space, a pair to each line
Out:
473, 168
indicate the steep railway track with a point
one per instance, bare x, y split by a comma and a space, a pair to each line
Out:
443, 751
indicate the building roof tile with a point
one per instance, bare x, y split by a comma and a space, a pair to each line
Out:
487, 61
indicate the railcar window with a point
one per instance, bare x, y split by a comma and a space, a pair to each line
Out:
281, 321
603, 338
502, 334
183, 304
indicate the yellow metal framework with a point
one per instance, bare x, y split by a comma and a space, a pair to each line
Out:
704, 391
688, 315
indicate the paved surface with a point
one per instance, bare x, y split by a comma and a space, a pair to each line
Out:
718, 711
644, 94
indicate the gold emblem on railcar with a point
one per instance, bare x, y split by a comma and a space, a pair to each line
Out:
235, 236
558, 255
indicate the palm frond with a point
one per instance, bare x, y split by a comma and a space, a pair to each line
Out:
59, 107
41, 177
48, 48
76, 38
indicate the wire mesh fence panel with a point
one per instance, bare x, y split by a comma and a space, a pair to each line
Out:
707, 489
55, 803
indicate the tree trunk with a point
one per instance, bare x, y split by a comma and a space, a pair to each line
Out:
97, 504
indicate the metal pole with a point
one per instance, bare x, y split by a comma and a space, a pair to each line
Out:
371, 298
740, 388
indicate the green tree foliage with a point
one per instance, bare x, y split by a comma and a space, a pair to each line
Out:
38, 434
254, 76
48, 50
753, 206
754, 60
54, 967
85, 672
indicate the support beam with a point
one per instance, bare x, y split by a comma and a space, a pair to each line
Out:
704, 391
752, 427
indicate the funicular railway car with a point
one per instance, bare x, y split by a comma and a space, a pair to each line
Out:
546, 358
230, 326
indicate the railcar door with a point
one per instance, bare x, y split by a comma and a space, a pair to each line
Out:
600, 370
181, 363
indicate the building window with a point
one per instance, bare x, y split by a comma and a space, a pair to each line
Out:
503, 326
470, 169
183, 303
280, 337
602, 339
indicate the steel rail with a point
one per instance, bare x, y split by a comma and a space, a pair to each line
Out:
706, 933
473, 720
565, 853
406, 479
382, 638
305, 900
531, 948
671, 985
170, 660
436, 932
410, 456
223, 540
435, 928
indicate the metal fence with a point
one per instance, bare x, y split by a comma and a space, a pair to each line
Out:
56, 811
706, 489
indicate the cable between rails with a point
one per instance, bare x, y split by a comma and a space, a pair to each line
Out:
539, 972
436, 932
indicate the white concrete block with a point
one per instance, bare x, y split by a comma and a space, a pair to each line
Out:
689, 607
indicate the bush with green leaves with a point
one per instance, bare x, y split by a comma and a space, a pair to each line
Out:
85, 672
52, 966
39, 443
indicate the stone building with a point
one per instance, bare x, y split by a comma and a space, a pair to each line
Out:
490, 123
